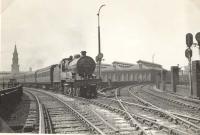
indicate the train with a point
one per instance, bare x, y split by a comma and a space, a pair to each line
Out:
73, 76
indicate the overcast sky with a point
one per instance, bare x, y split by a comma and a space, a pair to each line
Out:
46, 31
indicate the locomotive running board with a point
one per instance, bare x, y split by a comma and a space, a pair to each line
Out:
78, 83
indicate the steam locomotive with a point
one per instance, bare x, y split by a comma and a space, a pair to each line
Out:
73, 76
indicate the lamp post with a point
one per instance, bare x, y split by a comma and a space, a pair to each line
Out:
100, 55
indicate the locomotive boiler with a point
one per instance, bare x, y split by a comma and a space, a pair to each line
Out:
80, 80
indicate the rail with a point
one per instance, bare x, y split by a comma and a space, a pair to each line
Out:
78, 115
49, 124
171, 114
41, 112
133, 121
81, 117
41, 117
139, 118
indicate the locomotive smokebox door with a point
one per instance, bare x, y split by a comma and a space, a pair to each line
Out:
86, 66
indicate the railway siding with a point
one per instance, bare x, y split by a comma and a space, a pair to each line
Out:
154, 113
190, 122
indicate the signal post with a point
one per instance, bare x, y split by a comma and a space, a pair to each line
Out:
193, 74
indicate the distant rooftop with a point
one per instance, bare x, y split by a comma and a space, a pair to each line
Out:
149, 63
125, 63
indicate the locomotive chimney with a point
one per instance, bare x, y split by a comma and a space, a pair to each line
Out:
83, 53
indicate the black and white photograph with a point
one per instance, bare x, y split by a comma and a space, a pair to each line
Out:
100, 67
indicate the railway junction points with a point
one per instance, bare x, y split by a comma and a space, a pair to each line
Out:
128, 99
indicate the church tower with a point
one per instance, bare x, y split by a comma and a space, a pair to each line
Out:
15, 65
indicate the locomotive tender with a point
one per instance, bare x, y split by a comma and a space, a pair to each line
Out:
73, 76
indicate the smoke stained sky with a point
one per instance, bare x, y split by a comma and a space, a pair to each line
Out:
46, 31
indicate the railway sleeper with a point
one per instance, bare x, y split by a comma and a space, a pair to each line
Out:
28, 128
126, 117
175, 121
186, 125
193, 121
166, 130
159, 113
160, 127
157, 126
148, 123
141, 120
175, 132
197, 131
132, 124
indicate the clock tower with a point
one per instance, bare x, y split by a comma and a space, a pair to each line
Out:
15, 65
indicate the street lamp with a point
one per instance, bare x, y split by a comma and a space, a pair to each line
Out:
100, 55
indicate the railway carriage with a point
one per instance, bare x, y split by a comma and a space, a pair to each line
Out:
30, 79
44, 77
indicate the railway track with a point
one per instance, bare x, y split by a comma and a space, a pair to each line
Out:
141, 122
44, 121
93, 119
150, 125
188, 121
155, 113
155, 116
185, 99
32, 120
189, 103
150, 98
61, 117
147, 103
149, 110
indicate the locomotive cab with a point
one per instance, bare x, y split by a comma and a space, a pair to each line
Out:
63, 68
